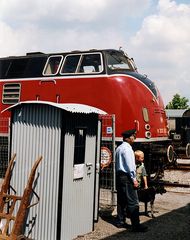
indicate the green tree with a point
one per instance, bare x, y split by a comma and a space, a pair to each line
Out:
178, 102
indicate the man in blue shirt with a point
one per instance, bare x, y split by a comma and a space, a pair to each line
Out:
127, 183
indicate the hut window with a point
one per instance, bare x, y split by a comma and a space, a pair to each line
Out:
79, 148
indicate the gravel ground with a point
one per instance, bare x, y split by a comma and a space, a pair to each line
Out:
172, 221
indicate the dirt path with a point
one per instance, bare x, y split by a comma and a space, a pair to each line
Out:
172, 222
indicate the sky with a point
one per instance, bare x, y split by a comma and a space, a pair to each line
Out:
156, 33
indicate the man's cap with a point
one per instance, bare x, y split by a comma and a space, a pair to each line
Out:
128, 133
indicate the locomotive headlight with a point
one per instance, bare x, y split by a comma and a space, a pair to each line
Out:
147, 127
148, 134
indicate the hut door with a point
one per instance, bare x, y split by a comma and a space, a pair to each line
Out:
78, 181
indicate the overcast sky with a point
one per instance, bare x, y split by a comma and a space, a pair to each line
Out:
156, 33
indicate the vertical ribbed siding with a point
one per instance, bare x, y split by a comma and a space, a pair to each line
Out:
36, 131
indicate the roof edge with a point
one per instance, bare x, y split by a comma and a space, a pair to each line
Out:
70, 107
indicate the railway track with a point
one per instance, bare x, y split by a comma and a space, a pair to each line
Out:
180, 166
178, 176
176, 184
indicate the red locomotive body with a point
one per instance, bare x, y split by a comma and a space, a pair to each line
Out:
105, 79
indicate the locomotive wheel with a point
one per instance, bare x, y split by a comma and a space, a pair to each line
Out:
188, 150
170, 154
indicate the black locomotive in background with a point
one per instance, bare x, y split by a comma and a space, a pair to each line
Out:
179, 131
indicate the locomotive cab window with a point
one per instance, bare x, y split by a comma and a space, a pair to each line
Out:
70, 64
16, 68
90, 63
52, 66
82, 64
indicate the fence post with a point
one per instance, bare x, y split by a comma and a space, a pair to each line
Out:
113, 157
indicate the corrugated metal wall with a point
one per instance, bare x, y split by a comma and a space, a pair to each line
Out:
37, 130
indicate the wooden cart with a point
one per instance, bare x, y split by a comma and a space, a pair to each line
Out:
8, 202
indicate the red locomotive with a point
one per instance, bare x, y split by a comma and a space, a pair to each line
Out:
105, 79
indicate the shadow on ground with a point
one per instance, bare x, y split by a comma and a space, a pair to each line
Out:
174, 225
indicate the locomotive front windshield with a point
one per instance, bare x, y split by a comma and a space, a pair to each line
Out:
118, 61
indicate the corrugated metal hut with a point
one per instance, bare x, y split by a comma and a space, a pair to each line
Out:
68, 138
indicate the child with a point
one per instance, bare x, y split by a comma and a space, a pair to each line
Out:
140, 169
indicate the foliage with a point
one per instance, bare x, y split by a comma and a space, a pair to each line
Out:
178, 102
